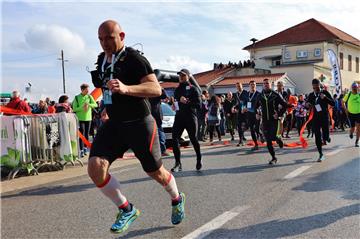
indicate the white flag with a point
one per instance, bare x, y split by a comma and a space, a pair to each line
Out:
335, 71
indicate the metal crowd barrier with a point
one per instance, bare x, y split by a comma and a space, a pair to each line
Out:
35, 143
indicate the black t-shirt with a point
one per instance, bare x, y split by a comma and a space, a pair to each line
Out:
315, 99
129, 69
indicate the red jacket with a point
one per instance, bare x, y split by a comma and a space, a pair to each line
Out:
51, 109
18, 104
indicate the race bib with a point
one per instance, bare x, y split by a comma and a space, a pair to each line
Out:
187, 87
249, 105
176, 104
107, 97
318, 107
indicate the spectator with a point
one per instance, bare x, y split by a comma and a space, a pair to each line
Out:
41, 108
230, 114
214, 117
157, 113
63, 105
18, 104
82, 106
300, 113
51, 108
202, 115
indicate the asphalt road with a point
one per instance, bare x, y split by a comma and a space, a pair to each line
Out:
236, 195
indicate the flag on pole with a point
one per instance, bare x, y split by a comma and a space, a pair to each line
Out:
335, 71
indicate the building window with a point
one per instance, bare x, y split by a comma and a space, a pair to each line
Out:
301, 54
349, 63
317, 52
341, 61
357, 64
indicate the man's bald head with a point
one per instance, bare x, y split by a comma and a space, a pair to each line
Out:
111, 37
110, 26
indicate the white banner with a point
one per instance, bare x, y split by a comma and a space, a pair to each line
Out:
335, 71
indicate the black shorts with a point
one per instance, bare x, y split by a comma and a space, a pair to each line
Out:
115, 138
271, 129
354, 119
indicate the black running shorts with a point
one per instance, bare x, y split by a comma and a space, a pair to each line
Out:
354, 119
271, 129
114, 138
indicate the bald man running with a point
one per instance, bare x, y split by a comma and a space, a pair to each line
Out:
130, 124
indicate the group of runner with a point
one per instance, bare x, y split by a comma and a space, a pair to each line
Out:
127, 81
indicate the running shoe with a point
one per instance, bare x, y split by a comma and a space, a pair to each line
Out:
198, 164
124, 220
273, 161
357, 143
254, 148
321, 158
351, 135
178, 211
177, 167
280, 142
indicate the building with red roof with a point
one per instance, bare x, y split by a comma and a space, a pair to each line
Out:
301, 52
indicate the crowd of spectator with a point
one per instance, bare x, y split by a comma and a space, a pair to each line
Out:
237, 65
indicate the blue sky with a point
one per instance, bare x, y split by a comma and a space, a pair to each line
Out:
173, 34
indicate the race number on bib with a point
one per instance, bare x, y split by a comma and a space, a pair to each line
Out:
107, 97
318, 107
249, 105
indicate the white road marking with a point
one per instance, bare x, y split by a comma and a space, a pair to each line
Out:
297, 172
216, 223
334, 152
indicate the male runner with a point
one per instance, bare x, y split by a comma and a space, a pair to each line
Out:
241, 97
188, 99
254, 124
283, 94
127, 79
351, 103
319, 100
269, 101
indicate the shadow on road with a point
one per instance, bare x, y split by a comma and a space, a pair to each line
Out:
344, 179
287, 228
142, 232
43, 191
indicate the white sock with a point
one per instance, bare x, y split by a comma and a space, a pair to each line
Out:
171, 187
111, 189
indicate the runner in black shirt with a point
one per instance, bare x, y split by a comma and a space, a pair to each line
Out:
188, 100
127, 79
269, 101
253, 122
319, 101
241, 97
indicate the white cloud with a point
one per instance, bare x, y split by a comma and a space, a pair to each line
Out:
53, 38
176, 63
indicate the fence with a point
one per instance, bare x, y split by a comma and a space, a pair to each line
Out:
35, 143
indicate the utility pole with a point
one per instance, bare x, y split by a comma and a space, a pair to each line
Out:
63, 68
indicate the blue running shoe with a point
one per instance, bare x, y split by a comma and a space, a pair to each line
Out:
321, 158
178, 211
124, 220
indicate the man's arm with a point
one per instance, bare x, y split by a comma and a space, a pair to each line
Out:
149, 87
76, 106
92, 103
195, 99
283, 103
344, 104
328, 98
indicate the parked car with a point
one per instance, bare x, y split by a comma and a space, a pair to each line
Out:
167, 125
